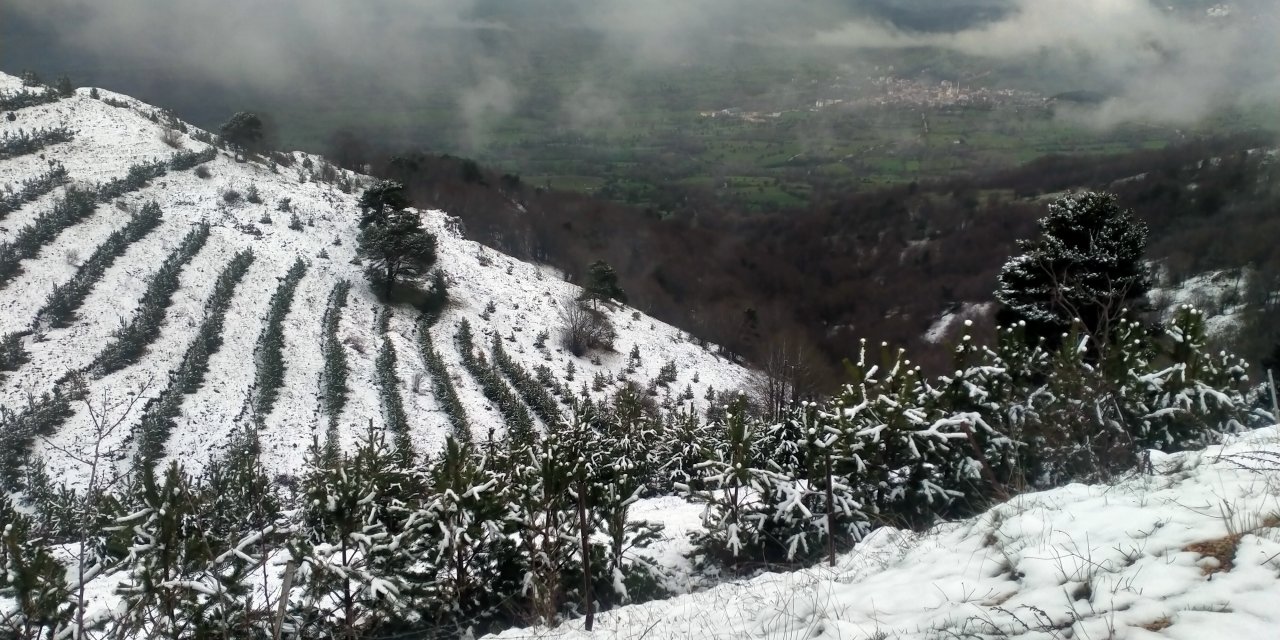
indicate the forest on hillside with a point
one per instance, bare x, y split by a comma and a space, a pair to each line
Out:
884, 264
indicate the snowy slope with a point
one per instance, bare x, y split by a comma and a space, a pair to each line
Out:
1191, 552
109, 139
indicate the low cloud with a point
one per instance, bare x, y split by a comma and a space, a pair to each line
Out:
1156, 64
478, 56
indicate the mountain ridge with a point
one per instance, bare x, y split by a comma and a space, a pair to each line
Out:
496, 294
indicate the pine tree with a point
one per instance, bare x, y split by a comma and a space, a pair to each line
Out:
541, 477
244, 131
602, 284
467, 539
175, 585
684, 444
1086, 264
64, 87
624, 466
397, 248
732, 487
241, 507
34, 595
379, 201
358, 521
892, 439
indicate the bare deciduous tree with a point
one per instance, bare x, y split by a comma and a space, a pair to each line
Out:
99, 453
584, 328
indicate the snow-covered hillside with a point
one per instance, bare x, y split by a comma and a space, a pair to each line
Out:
111, 133
1190, 551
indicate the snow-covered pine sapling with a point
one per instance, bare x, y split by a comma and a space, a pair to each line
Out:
353, 547
59, 310
160, 413
172, 581
442, 383
333, 376
12, 355
1197, 397
130, 341
21, 143
242, 507
32, 189
534, 392
269, 351
295, 223
544, 508
520, 425
627, 461
731, 490
32, 580
467, 541
393, 413
252, 195
824, 502
686, 443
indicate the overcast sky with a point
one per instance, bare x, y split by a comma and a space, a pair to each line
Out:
1160, 65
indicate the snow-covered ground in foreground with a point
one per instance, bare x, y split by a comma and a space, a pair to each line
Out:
1190, 552
109, 139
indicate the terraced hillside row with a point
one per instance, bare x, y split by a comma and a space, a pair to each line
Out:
134, 325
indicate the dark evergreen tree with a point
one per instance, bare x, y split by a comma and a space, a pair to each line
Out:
244, 131
1086, 264
398, 248
381, 200
602, 284
64, 87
